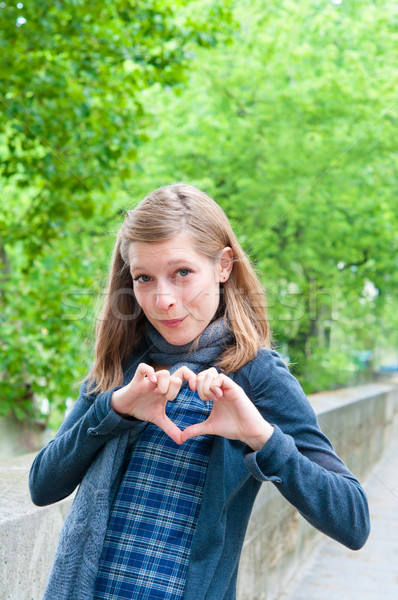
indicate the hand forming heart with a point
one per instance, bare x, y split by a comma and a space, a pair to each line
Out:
233, 416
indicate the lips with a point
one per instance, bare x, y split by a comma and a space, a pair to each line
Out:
173, 322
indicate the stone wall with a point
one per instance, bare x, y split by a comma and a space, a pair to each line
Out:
28, 534
360, 421
18, 437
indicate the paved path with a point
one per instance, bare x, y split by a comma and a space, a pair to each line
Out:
336, 573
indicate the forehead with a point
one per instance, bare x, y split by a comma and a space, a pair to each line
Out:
166, 253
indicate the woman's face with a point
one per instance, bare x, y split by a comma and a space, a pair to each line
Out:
176, 286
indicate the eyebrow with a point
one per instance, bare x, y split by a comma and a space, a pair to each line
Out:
170, 263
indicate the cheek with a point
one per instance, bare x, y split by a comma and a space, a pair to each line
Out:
202, 294
140, 298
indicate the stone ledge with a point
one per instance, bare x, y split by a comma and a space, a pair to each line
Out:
28, 533
360, 421
331, 400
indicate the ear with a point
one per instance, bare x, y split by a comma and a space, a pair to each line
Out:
226, 263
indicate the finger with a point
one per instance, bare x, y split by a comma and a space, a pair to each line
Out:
216, 390
186, 375
163, 380
144, 370
200, 384
174, 387
205, 380
197, 429
225, 382
169, 428
217, 386
220, 385
212, 372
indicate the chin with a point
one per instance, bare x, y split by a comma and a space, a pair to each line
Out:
177, 340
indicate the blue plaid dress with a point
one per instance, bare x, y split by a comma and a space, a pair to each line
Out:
153, 518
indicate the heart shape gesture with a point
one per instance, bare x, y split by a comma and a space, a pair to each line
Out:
147, 394
233, 415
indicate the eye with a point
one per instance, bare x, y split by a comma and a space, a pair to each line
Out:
184, 272
145, 279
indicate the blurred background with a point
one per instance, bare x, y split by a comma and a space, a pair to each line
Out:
284, 112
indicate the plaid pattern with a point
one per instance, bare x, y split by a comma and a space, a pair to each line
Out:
153, 518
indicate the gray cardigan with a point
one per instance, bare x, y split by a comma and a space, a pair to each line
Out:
89, 451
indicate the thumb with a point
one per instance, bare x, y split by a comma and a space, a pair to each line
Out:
197, 429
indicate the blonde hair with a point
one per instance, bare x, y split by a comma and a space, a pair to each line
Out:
162, 215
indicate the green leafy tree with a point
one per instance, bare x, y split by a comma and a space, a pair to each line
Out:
72, 117
292, 129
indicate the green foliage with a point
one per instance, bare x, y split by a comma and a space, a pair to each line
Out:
46, 321
71, 121
292, 129
72, 118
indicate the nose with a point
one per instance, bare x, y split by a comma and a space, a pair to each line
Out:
165, 297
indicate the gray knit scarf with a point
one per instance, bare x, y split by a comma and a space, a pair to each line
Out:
213, 341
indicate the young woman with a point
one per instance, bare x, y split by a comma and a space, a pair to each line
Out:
185, 412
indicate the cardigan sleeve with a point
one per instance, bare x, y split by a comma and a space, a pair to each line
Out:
300, 460
60, 466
